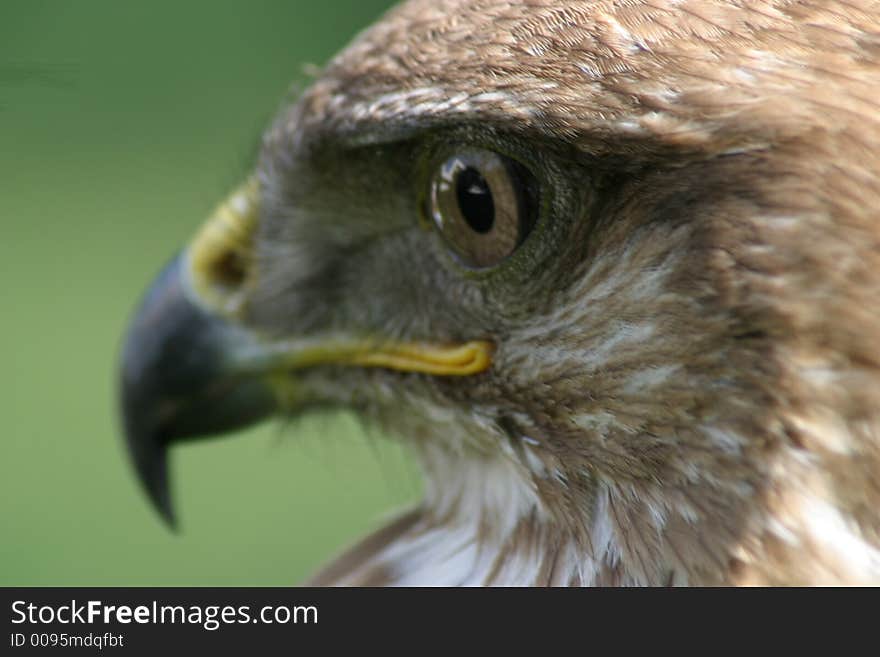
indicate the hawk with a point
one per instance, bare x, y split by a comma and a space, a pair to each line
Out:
610, 269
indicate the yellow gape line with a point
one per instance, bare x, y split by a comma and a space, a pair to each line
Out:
459, 360
220, 255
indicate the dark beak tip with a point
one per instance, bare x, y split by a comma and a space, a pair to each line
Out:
149, 458
159, 493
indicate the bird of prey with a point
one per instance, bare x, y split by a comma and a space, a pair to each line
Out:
610, 269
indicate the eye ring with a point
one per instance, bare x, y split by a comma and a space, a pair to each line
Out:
483, 204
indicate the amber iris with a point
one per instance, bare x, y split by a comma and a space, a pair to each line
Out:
484, 205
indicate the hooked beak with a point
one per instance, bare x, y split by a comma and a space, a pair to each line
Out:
190, 369
177, 381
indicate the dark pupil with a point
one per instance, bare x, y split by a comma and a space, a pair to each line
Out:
475, 200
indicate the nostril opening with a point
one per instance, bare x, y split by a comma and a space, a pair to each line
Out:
229, 270
221, 256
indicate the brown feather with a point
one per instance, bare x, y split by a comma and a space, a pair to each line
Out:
696, 398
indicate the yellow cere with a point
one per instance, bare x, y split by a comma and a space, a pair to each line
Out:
220, 255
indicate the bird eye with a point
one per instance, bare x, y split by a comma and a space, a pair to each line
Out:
484, 205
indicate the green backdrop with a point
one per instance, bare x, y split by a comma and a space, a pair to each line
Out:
121, 125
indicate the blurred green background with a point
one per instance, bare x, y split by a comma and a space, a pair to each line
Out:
121, 125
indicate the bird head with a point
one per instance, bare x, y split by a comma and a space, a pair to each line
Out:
610, 270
